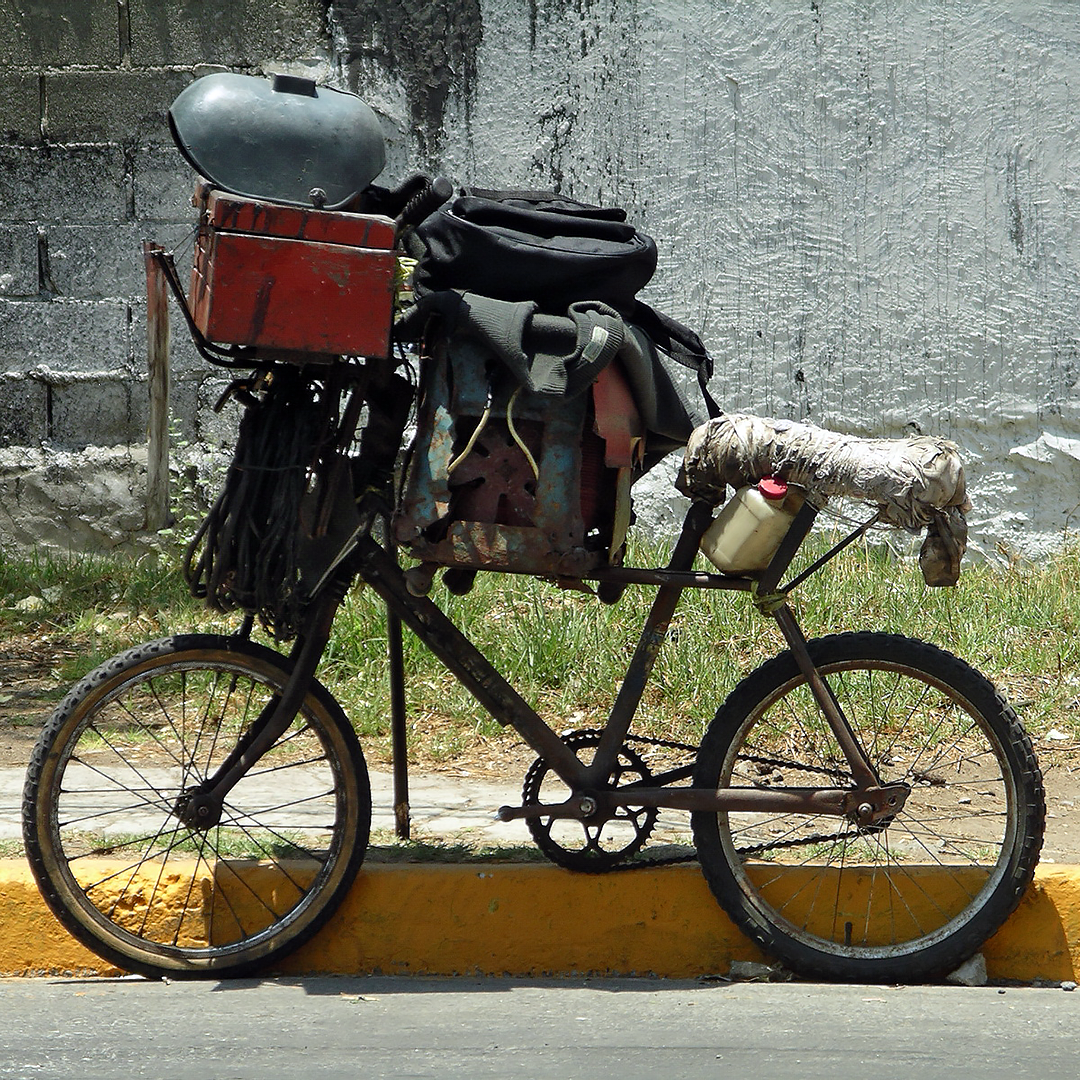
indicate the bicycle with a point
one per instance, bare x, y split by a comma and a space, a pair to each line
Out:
864, 806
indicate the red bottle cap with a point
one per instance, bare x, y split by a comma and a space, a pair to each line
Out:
772, 487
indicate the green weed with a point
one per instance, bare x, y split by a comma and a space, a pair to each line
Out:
566, 652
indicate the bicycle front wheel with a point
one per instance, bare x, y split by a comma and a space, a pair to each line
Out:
905, 898
121, 870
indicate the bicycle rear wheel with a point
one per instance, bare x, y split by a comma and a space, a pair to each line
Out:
116, 864
906, 898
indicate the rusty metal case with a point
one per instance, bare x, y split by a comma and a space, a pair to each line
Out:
477, 501
285, 278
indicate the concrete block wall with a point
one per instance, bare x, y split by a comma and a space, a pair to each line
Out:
866, 211
88, 172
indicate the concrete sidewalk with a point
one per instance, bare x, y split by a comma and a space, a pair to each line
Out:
440, 805
482, 918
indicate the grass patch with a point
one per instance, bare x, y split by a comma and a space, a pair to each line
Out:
70, 585
95, 605
566, 652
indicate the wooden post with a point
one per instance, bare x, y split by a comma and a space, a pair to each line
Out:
157, 356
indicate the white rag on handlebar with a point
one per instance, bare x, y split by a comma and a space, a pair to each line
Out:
915, 483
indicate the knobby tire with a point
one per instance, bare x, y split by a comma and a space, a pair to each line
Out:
901, 900
112, 858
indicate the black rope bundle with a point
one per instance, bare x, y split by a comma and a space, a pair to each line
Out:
246, 554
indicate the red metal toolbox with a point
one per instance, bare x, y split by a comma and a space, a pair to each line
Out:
288, 278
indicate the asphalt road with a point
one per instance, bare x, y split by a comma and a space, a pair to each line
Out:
570, 1030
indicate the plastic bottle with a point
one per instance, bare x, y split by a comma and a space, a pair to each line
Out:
745, 535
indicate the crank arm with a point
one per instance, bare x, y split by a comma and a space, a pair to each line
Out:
577, 808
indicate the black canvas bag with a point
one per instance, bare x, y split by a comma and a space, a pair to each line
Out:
535, 246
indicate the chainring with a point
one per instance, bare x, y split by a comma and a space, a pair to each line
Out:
590, 846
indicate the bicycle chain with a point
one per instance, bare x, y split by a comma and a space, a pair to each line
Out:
745, 852
776, 763
757, 849
817, 838
669, 744
778, 845
823, 770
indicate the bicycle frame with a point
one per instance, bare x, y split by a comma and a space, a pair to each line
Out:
380, 571
867, 802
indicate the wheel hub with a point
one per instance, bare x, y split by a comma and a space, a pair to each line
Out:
872, 806
197, 809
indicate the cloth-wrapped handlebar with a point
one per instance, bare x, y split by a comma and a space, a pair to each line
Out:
916, 483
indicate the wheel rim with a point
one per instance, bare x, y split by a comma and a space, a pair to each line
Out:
148, 884
905, 884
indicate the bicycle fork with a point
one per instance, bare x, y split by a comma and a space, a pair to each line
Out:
870, 800
200, 807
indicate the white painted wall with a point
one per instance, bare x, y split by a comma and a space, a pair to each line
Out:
869, 210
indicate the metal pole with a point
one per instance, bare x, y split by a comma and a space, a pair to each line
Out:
157, 356
399, 749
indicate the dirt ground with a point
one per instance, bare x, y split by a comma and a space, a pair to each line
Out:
29, 685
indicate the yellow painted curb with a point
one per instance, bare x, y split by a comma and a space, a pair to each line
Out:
508, 919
